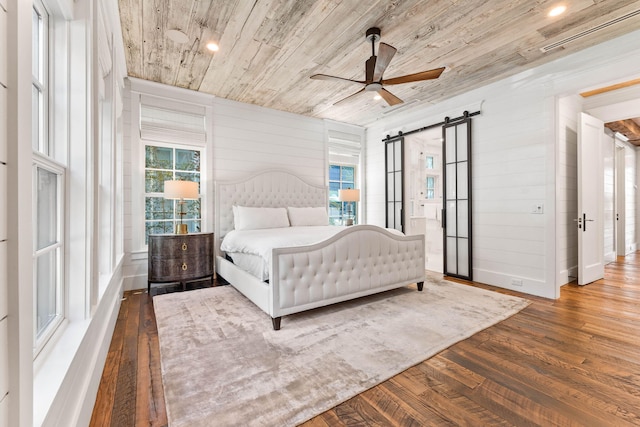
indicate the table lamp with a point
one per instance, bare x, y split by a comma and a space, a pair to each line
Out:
181, 191
349, 195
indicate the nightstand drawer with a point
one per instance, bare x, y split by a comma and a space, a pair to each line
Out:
180, 246
178, 269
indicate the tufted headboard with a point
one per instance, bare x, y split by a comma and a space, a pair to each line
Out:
271, 188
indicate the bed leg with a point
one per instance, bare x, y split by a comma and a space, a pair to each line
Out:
420, 286
276, 323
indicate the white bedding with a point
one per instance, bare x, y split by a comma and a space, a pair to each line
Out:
261, 242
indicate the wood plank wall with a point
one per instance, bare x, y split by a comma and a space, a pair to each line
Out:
4, 343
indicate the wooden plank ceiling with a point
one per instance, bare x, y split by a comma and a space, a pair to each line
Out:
270, 48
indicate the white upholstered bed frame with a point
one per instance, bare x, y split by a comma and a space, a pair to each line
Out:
360, 260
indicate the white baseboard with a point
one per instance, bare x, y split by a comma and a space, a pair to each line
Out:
566, 276
529, 285
132, 283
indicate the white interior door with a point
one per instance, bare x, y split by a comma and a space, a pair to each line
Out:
590, 219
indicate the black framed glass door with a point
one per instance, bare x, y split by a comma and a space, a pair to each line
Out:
394, 165
457, 204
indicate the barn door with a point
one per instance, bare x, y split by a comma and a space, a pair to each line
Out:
457, 193
394, 161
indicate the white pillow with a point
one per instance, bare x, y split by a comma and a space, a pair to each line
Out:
245, 218
308, 216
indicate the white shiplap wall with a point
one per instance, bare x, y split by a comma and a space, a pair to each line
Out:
4, 342
609, 200
247, 138
631, 198
241, 139
516, 163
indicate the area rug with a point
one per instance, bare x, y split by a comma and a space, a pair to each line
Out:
224, 365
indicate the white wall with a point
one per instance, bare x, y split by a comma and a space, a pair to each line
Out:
609, 200
242, 139
631, 198
4, 330
514, 150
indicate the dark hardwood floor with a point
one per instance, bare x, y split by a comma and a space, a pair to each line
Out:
571, 361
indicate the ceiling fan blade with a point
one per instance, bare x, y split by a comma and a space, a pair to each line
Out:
370, 66
340, 79
389, 97
424, 75
385, 54
350, 96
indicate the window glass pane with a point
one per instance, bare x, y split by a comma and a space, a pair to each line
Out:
158, 227
46, 208
158, 208
431, 194
158, 157
46, 288
333, 190
35, 50
154, 180
191, 209
334, 173
187, 160
193, 226
35, 118
429, 162
347, 174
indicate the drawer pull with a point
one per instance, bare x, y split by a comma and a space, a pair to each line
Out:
184, 248
184, 266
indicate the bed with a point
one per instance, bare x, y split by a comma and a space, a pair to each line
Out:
353, 262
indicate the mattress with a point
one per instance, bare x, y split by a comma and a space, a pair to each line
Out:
251, 249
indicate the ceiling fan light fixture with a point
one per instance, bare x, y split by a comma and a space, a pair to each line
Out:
177, 36
377, 97
213, 46
557, 11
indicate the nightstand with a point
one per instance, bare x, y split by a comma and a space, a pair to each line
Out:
180, 258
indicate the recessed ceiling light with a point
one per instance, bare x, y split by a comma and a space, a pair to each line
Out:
558, 10
177, 36
213, 46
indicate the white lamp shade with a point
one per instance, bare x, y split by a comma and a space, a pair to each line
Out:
349, 195
181, 190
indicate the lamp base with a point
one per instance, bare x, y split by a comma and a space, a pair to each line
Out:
182, 229
348, 221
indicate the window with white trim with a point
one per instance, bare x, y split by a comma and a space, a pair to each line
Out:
344, 173
48, 193
171, 144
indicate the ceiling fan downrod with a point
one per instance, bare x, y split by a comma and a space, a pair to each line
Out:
373, 35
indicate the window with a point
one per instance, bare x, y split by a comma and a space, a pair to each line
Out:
341, 177
429, 162
48, 193
430, 188
164, 162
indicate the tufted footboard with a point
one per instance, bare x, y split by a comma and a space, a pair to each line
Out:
361, 260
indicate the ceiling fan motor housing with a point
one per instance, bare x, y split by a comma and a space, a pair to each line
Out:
373, 34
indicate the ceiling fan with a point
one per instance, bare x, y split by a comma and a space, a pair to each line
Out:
374, 69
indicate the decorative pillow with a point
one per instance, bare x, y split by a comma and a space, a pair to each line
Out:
308, 216
245, 218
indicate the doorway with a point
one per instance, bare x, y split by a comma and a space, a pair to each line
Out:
423, 194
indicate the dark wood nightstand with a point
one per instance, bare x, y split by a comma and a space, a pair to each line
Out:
180, 258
